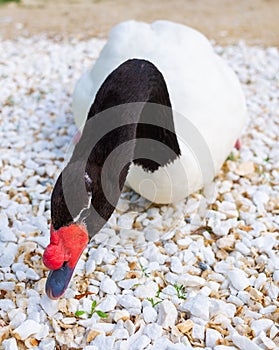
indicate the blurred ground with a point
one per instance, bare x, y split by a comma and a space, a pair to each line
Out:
226, 21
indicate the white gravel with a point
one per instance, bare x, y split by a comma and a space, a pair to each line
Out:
203, 273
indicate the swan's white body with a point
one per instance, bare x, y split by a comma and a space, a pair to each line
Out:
208, 103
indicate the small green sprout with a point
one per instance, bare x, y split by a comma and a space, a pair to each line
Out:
80, 313
231, 156
143, 270
152, 300
158, 292
181, 291
92, 311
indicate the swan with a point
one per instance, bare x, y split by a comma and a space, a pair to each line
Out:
160, 111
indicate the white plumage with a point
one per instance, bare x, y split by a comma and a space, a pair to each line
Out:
206, 96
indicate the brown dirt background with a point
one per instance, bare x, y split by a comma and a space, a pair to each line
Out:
226, 21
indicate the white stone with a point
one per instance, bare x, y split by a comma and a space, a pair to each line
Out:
7, 255
167, 314
27, 328
170, 248
268, 309
242, 248
121, 333
243, 342
128, 283
211, 337
16, 316
6, 234
128, 301
198, 332
70, 320
198, 306
169, 290
146, 291
90, 265
104, 327
238, 279
10, 344
6, 305
152, 235
43, 333
108, 304
125, 221
221, 307
260, 198
276, 276
176, 265
191, 281
153, 331
7, 286
269, 344
130, 327
149, 314
47, 344
119, 273
108, 286
140, 343
103, 342
50, 306
98, 255
121, 315
21, 275
264, 243
227, 241
273, 331
32, 275
262, 324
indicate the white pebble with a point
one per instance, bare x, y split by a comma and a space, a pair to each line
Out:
121, 333
140, 343
50, 306
211, 337
16, 316
108, 304
108, 286
167, 314
7, 286
128, 301
27, 328
198, 332
10, 344
243, 342
176, 265
149, 314
238, 279
6, 305
198, 306
260, 325
47, 344
146, 291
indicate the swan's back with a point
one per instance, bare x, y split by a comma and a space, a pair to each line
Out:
201, 86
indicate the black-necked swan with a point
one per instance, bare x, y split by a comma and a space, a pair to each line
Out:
162, 113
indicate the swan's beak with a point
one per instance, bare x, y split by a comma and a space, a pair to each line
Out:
58, 280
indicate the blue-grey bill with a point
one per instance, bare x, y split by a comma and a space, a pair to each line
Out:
58, 281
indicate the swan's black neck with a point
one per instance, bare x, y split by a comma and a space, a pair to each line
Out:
130, 121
